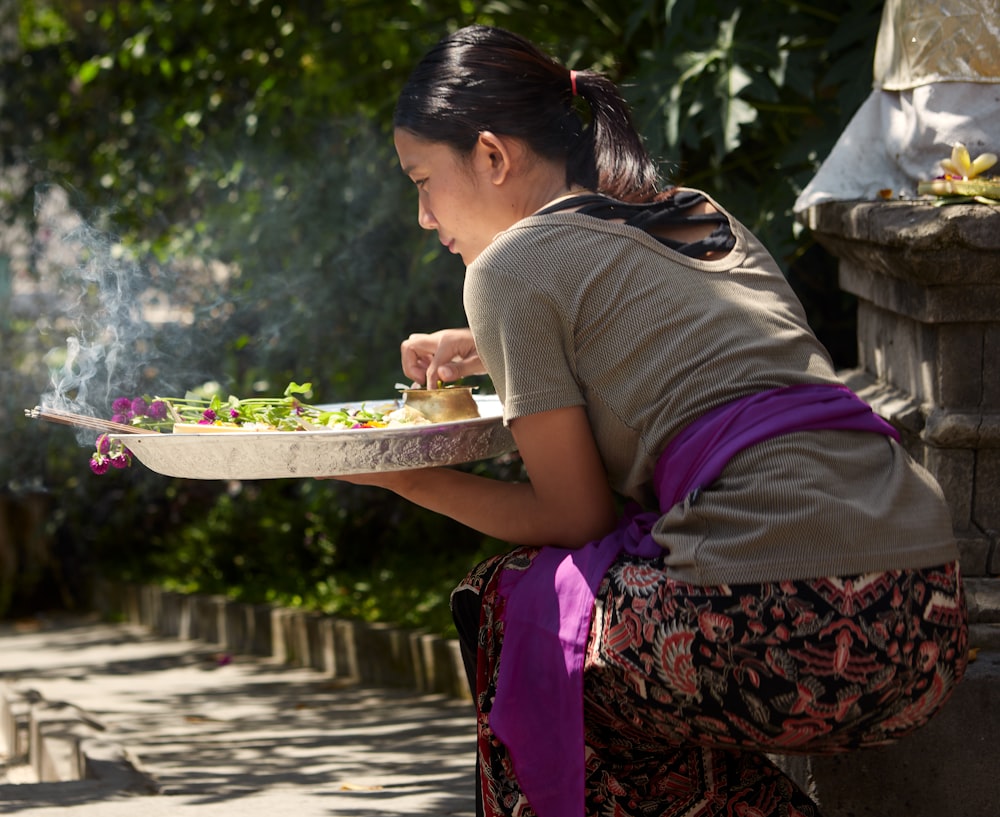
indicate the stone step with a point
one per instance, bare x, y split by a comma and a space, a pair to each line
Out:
356, 651
56, 742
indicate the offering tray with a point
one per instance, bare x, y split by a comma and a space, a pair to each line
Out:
249, 455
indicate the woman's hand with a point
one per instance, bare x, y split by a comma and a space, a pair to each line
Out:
445, 355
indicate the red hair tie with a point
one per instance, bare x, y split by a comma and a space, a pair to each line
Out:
572, 81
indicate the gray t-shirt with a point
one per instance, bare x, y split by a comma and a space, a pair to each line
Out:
568, 309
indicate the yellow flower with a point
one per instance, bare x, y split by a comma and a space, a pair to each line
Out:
962, 166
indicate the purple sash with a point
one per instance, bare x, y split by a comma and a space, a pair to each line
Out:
538, 709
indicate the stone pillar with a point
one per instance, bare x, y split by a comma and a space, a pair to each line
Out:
927, 278
928, 282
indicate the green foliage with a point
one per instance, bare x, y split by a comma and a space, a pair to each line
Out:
744, 107
347, 552
247, 223
744, 100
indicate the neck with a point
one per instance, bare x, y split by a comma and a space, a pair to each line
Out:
567, 193
539, 184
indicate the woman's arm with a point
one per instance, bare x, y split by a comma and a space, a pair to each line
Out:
566, 502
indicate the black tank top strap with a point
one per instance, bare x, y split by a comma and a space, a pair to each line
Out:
651, 217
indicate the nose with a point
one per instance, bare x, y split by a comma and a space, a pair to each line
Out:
425, 218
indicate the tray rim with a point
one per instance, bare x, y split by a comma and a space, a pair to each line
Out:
159, 451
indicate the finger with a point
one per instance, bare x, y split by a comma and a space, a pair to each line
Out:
414, 360
416, 372
441, 370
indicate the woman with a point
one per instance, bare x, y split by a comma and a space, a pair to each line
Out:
783, 578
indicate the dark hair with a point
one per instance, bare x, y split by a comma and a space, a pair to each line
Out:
486, 79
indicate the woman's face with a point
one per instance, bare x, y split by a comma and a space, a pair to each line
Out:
456, 195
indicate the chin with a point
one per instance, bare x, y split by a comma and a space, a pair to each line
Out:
468, 256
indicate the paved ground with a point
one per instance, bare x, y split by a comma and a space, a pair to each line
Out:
229, 736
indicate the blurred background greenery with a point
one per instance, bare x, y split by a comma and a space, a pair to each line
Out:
207, 191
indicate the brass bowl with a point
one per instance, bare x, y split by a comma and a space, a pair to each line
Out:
443, 405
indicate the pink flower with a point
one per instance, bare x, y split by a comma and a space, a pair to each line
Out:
157, 410
109, 453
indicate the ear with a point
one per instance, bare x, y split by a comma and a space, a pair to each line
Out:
495, 156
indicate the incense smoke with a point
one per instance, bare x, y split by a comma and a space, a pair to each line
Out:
124, 328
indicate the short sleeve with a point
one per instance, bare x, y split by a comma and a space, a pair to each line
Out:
524, 335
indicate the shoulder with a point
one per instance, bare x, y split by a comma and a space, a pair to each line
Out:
557, 240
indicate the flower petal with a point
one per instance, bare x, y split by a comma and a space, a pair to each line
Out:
960, 158
982, 163
951, 169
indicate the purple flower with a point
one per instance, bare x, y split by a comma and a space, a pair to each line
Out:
157, 410
208, 417
122, 405
234, 414
122, 460
103, 444
99, 464
139, 406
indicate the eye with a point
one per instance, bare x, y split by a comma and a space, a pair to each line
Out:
420, 183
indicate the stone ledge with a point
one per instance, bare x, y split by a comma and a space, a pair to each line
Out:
983, 598
63, 744
985, 636
912, 240
345, 649
930, 303
15, 717
54, 735
950, 429
975, 437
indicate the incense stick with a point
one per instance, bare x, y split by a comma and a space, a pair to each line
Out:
83, 421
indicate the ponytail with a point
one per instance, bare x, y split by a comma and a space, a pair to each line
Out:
610, 156
486, 79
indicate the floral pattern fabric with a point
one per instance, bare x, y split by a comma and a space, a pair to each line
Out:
686, 688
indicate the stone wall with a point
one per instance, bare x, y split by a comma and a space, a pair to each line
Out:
347, 650
927, 279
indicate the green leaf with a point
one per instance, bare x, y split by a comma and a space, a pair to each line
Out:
296, 388
88, 72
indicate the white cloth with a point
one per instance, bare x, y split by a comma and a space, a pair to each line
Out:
936, 82
897, 139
